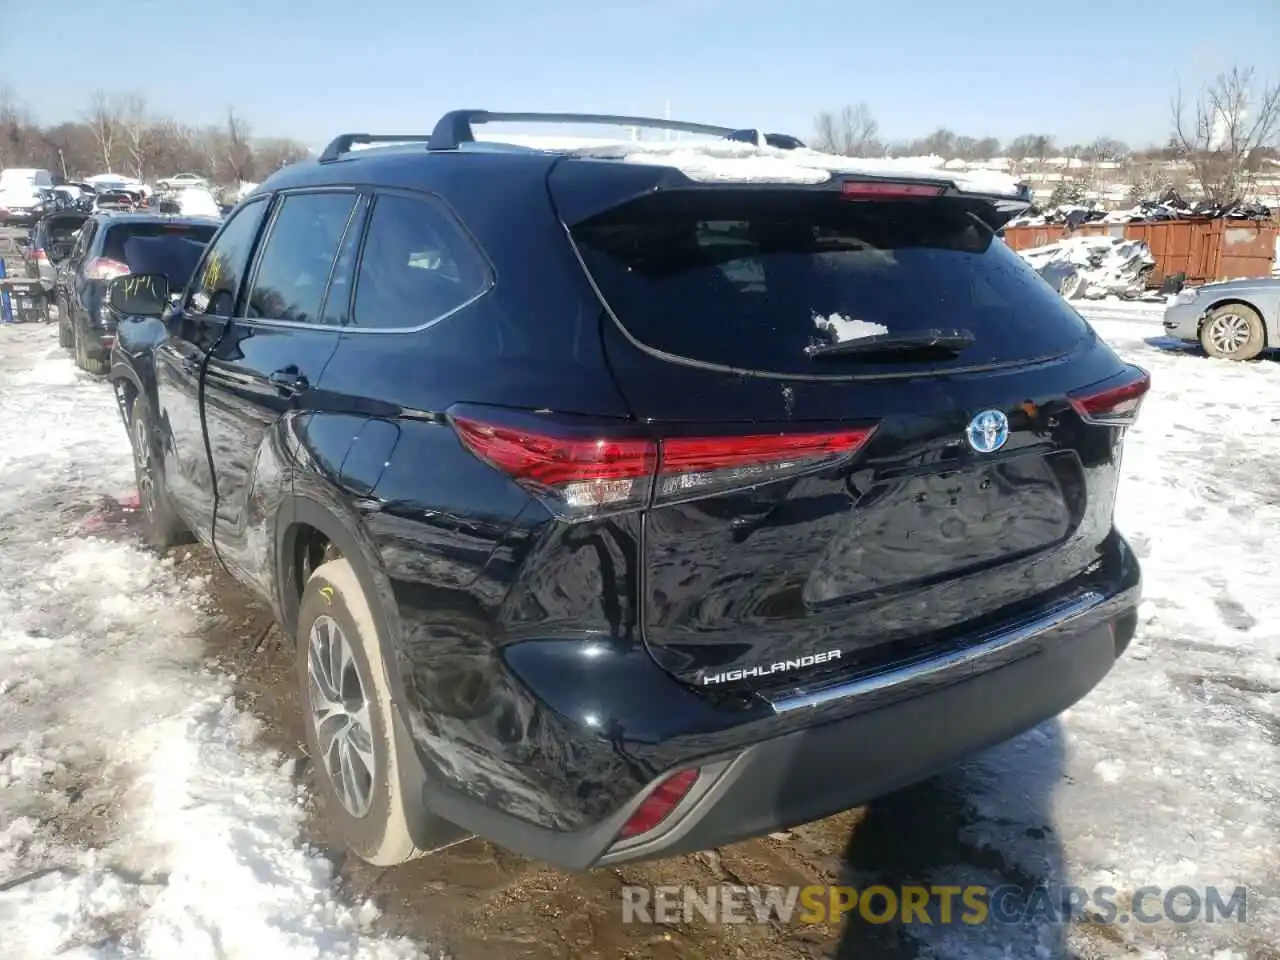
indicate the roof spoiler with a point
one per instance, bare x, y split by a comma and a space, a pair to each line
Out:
455, 128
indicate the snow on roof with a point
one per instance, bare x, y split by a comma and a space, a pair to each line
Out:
730, 161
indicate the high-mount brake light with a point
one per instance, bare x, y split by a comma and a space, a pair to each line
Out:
579, 477
657, 806
1113, 404
886, 190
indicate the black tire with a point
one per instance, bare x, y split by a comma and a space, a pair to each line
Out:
66, 337
1233, 332
161, 526
85, 362
382, 831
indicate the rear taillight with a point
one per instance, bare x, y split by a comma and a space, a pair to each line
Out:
39, 255
580, 474
657, 806
103, 268
887, 190
1113, 402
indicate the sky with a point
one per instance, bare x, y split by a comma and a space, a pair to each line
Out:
310, 69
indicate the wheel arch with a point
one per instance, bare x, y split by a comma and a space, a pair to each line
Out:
301, 516
1267, 339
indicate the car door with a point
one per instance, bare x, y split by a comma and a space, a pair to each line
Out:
71, 267
265, 370
191, 332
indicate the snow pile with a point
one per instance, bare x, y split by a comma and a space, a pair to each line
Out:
1169, 206
137, 817
1103, 265
196, 202
729, 160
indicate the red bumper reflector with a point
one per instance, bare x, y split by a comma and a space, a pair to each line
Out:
657, 806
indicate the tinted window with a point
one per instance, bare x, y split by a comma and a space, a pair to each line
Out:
417, 265
215, 290
752, 281
172, 249
298, 256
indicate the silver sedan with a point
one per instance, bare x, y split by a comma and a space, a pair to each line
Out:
1236, 319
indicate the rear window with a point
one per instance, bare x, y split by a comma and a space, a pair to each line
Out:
170, 249
751, 280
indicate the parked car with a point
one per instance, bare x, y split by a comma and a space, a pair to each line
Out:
24, 195
116, 200
1235, 319
113, 245
50, 243
617, 511
181, 181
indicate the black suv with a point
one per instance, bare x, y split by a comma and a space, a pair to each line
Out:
112, 245
619, 508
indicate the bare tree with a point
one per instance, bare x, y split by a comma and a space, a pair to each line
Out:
1105, 148
1031, 146
850, 133
105, 121
239, 150
135, 128
1232, 118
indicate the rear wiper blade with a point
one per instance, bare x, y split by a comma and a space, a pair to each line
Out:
923, 342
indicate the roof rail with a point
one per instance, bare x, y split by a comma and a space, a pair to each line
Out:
454, 127
344, 142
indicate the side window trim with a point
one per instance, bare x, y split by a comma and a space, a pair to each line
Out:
269, 225
447, 211
203, 262
359, 220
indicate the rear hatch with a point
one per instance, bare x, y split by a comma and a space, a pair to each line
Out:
821, 508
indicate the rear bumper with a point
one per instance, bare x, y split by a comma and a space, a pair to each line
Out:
767, 766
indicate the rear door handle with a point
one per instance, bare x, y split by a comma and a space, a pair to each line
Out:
191, 365
288, 382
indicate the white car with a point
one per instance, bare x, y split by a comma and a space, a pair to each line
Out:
182, 180
22, 193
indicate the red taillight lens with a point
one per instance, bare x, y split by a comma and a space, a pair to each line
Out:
697, 466
1112, 403
657, 806
39, 255
581, 476
885, 190
103, 268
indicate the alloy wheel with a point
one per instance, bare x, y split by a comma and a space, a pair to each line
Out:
142, 456
1229, 332
340, 714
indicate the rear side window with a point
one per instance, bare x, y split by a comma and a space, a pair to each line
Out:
214, 291
298, 256
417, 265
751, 281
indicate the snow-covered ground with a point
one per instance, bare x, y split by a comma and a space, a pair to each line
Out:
1169, 772
137, 818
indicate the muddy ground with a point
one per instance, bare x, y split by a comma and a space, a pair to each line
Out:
476, 901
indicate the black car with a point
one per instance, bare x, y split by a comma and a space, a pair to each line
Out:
618, 511
113, 245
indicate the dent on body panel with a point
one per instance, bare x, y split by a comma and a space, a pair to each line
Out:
435, 518
269, 486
